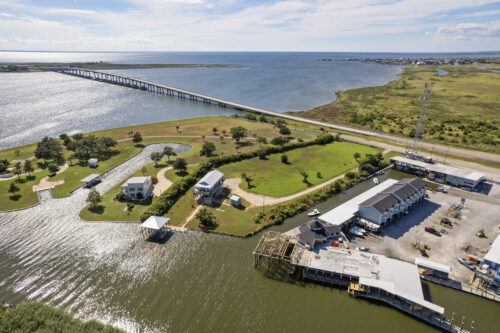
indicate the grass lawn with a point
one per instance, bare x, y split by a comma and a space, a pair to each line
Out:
182, 209
276, 179
464, 109
232, 220
25, 197
112, 210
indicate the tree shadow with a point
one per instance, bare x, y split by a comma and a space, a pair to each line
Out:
182, 173
15, 197
243, 144
207, 228
139, 145
31, 177
99, 209
21, 180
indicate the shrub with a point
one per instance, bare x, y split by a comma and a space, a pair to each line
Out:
121, 197
53, 168
279, 140
154, 179
284, 159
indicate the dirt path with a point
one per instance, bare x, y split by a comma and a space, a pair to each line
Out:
46, 184
163, 183
195, 211
259, 199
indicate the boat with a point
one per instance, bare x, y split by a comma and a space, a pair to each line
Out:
314, 213
375, 181
357, 231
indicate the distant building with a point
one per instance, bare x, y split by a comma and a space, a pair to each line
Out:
393, 202
315, 233
439, 173
138, 188
492, 258
209, 187
93, 163
235, 200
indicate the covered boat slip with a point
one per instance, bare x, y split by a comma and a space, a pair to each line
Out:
155, 227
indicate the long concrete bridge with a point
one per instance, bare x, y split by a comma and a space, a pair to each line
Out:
153, 87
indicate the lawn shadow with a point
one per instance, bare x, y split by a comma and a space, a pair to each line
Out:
182, 173
99, 209
414, 218
15, 197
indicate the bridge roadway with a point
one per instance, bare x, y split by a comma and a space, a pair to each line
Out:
158, 88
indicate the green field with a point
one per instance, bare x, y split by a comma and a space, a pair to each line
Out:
273, 178
25, 197
464, 109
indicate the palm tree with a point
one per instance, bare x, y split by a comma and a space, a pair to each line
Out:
177, 128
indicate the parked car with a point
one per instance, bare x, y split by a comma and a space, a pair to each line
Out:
362, 249
442, 190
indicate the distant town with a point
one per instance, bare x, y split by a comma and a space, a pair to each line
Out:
420, 61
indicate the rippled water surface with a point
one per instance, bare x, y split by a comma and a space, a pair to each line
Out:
33, 105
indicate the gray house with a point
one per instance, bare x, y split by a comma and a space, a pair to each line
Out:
315, 233
396, 200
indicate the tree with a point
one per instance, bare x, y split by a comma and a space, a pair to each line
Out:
206, 218
207, 149
13, 189
304, 175
261, 140
4, 165
18, 170
285, 131
177, 128
279, 140
144, 169
262, 118
224, 132
337, 187
203, 138
247, 179
280, 123
48, 148
180, 165
130, 133
169, 151
17, 152
156, 156
239, 133
137, 138
53, 167
94, 198
357, 156
28, 167
214, 130
284, 159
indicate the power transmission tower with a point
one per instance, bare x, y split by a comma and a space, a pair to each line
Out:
414, 153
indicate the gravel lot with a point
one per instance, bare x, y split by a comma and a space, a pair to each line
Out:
479, 212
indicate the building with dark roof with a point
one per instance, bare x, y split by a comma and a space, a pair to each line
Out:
315, 233
393, 202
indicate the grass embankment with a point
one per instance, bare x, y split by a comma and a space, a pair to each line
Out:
190, 132
276, 179
25, 197
464, 109
38, 317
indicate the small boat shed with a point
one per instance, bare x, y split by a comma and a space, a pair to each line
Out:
436, 269
91, 180
154, 226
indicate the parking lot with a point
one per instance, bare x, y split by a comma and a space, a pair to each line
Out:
479, 212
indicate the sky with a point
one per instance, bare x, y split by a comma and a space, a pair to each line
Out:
251, 25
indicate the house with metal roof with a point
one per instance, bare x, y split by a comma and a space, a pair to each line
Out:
138, 188
209, 187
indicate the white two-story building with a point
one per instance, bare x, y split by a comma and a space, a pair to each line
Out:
138, 188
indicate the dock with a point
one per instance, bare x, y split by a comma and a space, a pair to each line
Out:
366, 275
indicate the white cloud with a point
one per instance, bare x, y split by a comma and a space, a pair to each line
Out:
231, 25
469, 31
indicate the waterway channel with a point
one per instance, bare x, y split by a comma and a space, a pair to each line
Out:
195, 282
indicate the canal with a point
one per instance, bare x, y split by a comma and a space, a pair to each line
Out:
195, 282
